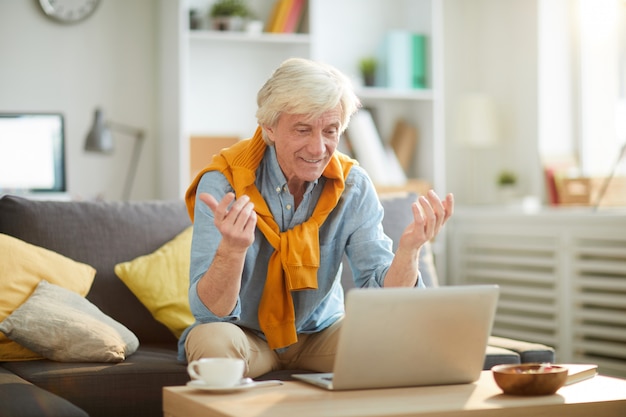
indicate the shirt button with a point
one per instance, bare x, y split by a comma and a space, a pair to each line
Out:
288, 206
278, 189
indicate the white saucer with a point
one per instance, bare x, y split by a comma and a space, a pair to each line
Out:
245, 384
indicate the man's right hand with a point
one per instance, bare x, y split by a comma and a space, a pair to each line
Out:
235, 219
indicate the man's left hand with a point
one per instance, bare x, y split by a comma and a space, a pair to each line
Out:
430, 213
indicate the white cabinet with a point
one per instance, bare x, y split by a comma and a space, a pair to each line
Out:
210, 79
562, 277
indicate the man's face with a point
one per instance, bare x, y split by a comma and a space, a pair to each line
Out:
304, 146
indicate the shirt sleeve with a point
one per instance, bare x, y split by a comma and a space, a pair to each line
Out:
369, 250
204, 244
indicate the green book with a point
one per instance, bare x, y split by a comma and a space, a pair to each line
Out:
418, 73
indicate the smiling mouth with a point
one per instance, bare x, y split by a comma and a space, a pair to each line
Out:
312, 161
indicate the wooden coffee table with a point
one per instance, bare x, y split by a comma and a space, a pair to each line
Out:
599, 396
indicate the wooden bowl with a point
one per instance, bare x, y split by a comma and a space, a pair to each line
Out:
529, 378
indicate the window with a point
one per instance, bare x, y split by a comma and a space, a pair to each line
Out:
582, 77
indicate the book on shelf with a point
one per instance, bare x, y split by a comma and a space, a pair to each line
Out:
272, 17
286, 16
403, 142
281, 17
294, 16
551, 187
418, 62
403, 56
377, 158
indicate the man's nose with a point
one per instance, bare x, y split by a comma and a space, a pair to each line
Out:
316, 143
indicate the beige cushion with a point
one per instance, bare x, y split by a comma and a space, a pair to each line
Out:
160, 280
63, 326
23, 266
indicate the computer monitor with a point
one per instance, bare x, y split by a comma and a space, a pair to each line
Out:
32, 152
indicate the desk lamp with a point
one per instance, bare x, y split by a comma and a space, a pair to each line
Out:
99, 139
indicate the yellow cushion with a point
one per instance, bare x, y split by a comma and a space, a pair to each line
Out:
23, 266
160, 280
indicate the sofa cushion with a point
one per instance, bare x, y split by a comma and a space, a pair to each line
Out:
23, 266
528, 351
101, 234
20, 398
61, 325
130, 388
161, 282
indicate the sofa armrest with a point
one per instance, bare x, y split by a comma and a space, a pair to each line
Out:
498, 356
529, 352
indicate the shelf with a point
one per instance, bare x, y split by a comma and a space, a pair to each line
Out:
379, 93
266, 38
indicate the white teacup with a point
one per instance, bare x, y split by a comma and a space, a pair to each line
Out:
217, 372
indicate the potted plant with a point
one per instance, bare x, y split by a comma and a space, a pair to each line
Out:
507, 178
229, 14
368, 66
507, 181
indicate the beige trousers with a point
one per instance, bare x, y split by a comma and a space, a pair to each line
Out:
315, 351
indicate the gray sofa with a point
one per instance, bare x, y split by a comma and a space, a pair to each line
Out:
103, 234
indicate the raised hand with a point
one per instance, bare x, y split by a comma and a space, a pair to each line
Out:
430, 213
235, 219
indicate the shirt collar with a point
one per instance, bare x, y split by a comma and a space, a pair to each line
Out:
275, 174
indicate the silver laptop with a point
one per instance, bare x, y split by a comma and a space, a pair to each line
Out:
400, 337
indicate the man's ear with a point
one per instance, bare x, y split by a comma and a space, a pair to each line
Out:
269, 130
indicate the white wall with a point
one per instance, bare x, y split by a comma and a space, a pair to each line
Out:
491, 48
109, 60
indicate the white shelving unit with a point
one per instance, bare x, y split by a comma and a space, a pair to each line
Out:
210, 79
215, 75
344, 31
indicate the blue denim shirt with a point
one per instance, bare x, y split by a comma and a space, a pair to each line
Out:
353, 227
